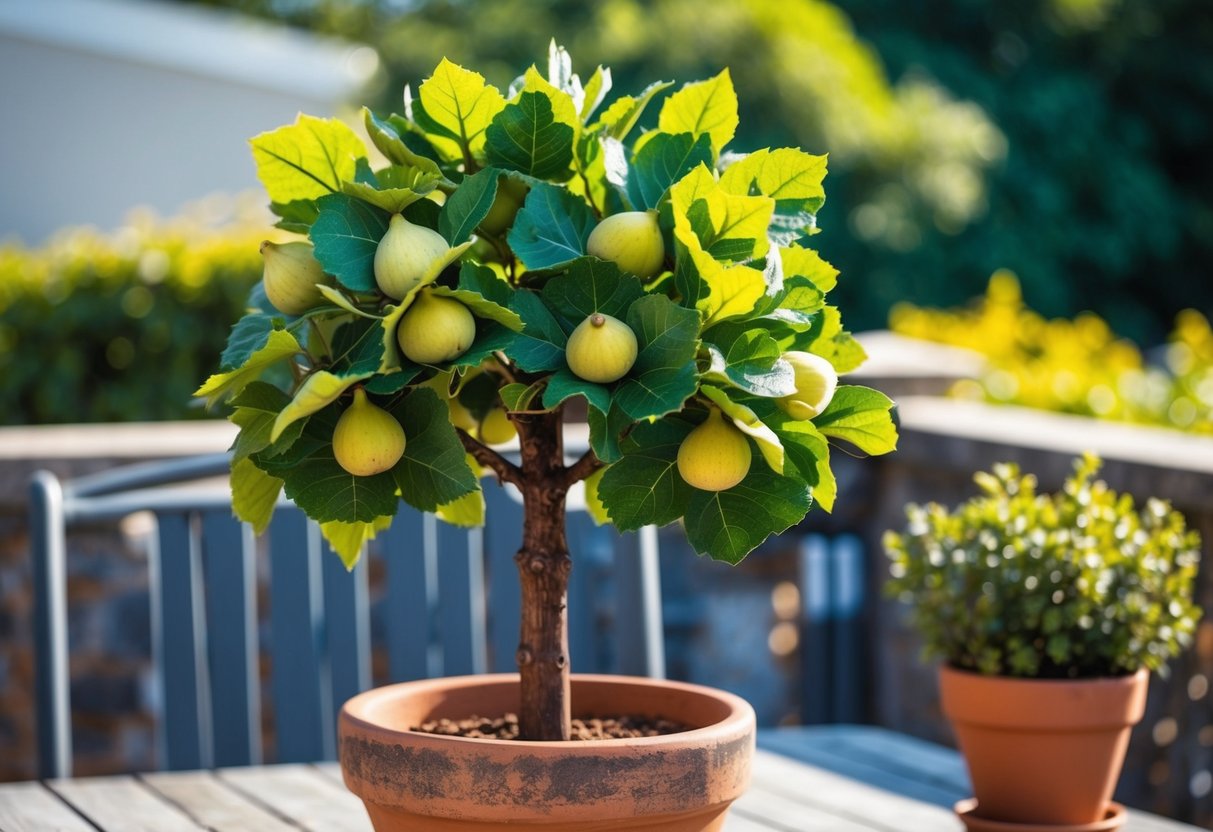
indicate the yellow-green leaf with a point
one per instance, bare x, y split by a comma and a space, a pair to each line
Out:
319, 390
279, 345
461, 103
254, 494
703, 107
733, 291
347, 539
564, 111
747, 218
307, 159
466, 511
338, 298
747, 422
593, 504
783, 174
807, 263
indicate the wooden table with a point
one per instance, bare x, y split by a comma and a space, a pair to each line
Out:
834, 779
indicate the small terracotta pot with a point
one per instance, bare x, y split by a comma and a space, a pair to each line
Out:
675, 783
1043, 751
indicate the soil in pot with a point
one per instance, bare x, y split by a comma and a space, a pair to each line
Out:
1043, 751
681, 782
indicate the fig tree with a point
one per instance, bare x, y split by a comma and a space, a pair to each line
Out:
405, 254
632, 241
497, 429
435, 329
715, 456
815, 383
290, 276
601, 349
367, 440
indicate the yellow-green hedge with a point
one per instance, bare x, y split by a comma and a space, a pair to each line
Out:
1074, 366
122, 326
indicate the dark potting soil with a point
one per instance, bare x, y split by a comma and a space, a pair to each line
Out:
506, 728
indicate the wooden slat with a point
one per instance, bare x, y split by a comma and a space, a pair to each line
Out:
586, 549
347, 627
213, 804
300, 682
303, 795
461, 614
412, 587
502, 537
639, 634
123, 804
849, 660
179, 628
31, 807
231, 614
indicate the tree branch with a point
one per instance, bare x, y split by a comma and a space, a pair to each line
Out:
582, 468
505, 470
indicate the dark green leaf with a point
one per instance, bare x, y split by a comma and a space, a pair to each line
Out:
663, 376
592, 285
728, 525
468, 206
643, 487
551, 229
392, 382
540, 346
606, 430
563, 384
248, 335
434, 469
526, 137
752, 363
662, 161
345, 237
297, 215
357, 347
387, 137
255, 409
484, 281
491, 337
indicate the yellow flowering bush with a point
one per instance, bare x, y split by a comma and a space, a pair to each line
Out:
1073, 366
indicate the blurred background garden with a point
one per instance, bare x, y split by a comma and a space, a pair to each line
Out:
1029, 180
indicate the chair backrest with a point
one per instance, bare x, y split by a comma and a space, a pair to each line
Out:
450, 606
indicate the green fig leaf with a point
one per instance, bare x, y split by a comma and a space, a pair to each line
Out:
279, 345
808, 452
728, 525
750, 361
621, 116
703, 107
564, 384
644, 487
663, 376
788, 175
250, 334
387, 139
526, 136
592, 285
434, 470
540, 346
456, 107
827, 338
807, 263
662, 161
345, 237
467, 207
551, 228
482, 307
606, 431
254, 411
254, 494
861, 416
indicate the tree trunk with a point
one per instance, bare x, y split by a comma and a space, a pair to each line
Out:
543, 568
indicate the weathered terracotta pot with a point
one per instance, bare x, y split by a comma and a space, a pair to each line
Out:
676, 783
1043, 751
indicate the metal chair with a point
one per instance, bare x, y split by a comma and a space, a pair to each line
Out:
442, 616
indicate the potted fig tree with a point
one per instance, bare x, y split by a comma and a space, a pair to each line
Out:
1049, 611
511, 251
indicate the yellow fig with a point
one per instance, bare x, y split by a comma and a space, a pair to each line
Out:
632, 241
461, 417
367, 440
435, 329
815, 383
497, 429
510, 195
601, 349
715, 456
405, 254
290, 276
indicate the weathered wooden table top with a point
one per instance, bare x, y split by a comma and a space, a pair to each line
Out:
834, 779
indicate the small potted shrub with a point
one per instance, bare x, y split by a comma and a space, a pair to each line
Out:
1049, 611
509, 252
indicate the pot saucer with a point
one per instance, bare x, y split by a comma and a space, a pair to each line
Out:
967, 811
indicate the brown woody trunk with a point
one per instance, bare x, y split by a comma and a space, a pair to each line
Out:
543, 568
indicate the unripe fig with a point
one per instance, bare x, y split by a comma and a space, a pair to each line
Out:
405, 254
601, 349
510, 195
815, 383
632, 241
715, 456
290, 276
461, 417
497, 428
367, 440
435, 329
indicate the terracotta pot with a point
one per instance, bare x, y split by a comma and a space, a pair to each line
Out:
676, 783
1043, 751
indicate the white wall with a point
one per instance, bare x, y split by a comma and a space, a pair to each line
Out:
110, 104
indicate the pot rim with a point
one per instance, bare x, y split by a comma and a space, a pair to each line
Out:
739, 718
1125, 680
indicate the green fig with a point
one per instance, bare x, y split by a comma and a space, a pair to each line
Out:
367, 440
290, 276
435, 329
461, 417
497, 429
510, 195
815, 383
601, 349
715, 456
404, 256
632, 241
